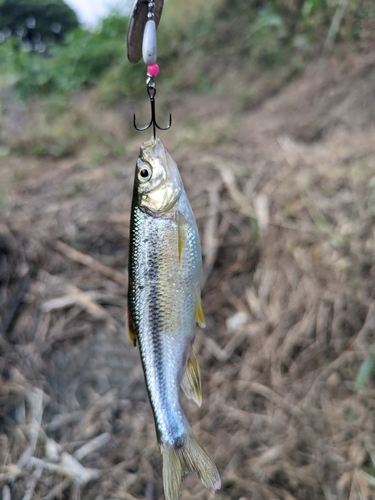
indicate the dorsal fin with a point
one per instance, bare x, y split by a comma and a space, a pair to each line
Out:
191, 383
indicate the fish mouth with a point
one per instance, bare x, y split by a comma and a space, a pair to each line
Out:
149, 144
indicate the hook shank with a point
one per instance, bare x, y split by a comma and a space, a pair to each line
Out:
151, 90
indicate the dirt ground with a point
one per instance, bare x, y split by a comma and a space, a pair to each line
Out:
284, 196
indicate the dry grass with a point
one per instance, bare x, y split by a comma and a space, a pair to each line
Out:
286, 218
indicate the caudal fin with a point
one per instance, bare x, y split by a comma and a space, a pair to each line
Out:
187, 456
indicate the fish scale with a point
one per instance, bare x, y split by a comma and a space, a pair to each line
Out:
163, 323
163, 307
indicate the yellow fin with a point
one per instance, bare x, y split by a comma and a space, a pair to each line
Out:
199, 314
191, 383
187, 455
131, 328
182, 225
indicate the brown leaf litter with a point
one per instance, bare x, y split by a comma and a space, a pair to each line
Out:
285, 205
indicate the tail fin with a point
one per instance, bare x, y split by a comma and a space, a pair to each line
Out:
187, 456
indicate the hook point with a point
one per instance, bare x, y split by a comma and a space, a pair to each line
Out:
151, 90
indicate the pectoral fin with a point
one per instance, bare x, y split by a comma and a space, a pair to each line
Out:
199, 314
131, 328
191, 383
182, 225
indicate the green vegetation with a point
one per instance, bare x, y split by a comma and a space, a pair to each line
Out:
207, 37
36, 23
207, 46
80, 61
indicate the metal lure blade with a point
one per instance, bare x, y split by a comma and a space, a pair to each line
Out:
137, 24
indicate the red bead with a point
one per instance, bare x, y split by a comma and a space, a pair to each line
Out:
153, 70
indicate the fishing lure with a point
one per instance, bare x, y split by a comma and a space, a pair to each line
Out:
142, 43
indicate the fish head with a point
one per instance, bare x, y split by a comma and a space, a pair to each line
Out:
158, 183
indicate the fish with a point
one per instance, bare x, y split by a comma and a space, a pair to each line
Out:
164, 305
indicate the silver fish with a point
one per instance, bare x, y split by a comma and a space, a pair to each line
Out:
164, 305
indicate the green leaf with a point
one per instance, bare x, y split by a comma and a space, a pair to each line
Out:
364, 372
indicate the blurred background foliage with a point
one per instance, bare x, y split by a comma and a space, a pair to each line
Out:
207, 46
35, 23
209, 37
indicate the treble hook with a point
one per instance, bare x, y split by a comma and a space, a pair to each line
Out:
151, 90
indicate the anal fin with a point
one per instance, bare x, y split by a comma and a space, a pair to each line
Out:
199, 314
191, 383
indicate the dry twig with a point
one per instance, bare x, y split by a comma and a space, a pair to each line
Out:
89, 261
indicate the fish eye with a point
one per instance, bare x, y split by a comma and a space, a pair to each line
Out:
144, 174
